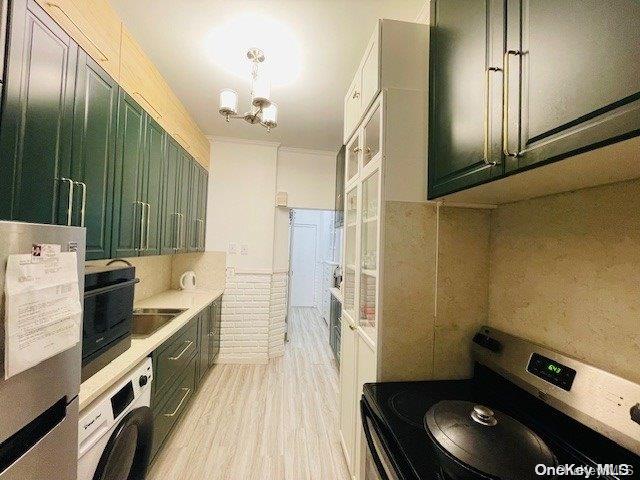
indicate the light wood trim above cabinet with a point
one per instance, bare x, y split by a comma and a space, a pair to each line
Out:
98, 29
142, 80
94, 24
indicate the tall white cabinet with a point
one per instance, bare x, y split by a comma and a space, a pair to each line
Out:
385, 127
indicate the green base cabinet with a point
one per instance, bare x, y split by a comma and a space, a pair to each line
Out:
180, 365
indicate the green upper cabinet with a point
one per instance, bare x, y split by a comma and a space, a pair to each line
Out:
197, 207
184, 188
193, 194
464, 127
128, 207
203, 190
578, 80
169, 225
155, 147
37, 118
94, 135
517, 84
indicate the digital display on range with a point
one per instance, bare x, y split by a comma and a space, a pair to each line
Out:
551, 371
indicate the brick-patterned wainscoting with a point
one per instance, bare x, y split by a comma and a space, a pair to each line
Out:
253, 317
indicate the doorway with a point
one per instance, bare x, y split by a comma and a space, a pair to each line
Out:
311, 261
304, 245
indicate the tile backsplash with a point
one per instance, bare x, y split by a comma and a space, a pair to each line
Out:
565, 272
162, 272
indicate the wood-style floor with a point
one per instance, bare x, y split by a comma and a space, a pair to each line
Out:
265, 422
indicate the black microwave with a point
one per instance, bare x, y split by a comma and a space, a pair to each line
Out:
108, 315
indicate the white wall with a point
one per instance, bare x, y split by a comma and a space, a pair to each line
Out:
243, 182
241, 209
241, 202
308, 176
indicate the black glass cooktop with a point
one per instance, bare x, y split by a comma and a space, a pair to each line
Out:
398, 409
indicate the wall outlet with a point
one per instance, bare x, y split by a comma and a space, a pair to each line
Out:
233, 248
244, 249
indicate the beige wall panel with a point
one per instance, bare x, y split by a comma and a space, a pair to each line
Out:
405, 338
462, 292
565, 272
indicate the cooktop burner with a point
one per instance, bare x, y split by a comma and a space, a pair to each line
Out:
399, 409
409, 406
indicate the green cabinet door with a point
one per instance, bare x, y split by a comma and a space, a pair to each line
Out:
578, 82
37, 117
193, 217
155, 143
465, 57
127, 206
203, 189
169, 225
184, 187
92, 163
203, 359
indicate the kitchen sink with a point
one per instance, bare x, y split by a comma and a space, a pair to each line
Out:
148, 320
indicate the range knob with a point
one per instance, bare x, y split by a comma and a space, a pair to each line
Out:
143, 380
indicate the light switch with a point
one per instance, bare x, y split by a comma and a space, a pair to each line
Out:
233, 248
244, 249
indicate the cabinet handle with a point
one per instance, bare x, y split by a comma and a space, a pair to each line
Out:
148, 218
187, 347
352, 327
143, 221
148, 103
505, 103
186, 391
487, 120
55, 5
176, 226
356, 94
70, 200
357, 150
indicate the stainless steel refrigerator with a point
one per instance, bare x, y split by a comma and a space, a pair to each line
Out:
39, 407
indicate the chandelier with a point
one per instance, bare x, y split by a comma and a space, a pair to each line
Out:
262, 111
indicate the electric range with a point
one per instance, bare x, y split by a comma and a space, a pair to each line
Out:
588, 417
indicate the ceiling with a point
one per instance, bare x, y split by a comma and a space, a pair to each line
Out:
312, 46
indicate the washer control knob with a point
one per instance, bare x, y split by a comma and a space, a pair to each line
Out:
143, 380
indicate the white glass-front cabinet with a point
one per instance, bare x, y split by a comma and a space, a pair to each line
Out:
360, 289
385, 191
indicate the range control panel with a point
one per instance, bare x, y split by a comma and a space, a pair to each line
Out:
551, 371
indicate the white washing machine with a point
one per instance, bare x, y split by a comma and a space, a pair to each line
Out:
115, 432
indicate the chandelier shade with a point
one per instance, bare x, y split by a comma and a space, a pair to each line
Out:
261, 111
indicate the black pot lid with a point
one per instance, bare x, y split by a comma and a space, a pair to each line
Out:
486, 440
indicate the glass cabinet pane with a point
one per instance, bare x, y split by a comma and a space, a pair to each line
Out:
371, 137
351, 215
353, 151
369, 254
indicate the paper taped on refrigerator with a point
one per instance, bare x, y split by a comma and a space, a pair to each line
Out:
43, 312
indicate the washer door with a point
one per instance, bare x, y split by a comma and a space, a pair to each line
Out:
127, 453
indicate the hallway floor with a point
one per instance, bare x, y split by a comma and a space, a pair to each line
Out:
264, 422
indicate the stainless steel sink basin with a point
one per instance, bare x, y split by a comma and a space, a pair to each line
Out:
148, 320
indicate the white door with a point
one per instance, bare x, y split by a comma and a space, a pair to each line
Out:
303, 266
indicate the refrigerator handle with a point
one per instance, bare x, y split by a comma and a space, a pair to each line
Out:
70, 201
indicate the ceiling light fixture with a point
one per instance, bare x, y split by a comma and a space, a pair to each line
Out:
262, 110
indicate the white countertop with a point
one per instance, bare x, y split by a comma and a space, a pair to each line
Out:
336, 293
141, 347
